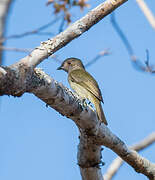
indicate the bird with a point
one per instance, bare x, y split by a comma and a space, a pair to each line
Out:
84, 84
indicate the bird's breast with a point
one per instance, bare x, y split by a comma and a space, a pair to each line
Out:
81, 91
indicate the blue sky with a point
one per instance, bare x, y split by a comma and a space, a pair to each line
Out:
37, 142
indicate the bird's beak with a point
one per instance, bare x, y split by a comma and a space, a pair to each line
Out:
62, 68
59, 68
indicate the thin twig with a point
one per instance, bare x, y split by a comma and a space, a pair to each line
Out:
97, 57
15, 49
35, 31
4, 12
55, 58
137, 64
116, 164
62, 24
94, 60
147, 12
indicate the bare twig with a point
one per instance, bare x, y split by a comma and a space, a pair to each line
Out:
49, 47
4, 9
144, 143
15, 49
35, 31
116, 164
147, 12
97, 57
22, 77
94, 60
19, 78
62, 24
137, 64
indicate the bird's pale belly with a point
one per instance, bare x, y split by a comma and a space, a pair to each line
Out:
82, 92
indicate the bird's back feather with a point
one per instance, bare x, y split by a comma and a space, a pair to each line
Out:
84, 79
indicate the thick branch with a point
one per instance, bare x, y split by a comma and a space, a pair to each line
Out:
91, 132
20, 78
49, 47
89, 159
116, 164
66, 103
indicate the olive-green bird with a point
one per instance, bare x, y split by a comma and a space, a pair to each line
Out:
84, 84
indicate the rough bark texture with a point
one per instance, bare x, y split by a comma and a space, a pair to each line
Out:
93, 135
116, 164
22, 77
89, 159
49, 47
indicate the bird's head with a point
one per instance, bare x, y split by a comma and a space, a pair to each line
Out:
70, 64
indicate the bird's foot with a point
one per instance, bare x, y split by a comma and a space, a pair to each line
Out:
84, 102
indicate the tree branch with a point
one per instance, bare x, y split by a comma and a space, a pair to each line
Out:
147, 12
137, 64
22, 77
116, 164
15, 49
17, 79
4, 8
97, 57
49, 47
32, 32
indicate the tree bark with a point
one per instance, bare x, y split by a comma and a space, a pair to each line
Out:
21, 77
93, 135
47, 48
116, 164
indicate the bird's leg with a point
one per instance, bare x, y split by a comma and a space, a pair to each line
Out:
90, 104
81, 100
84, 103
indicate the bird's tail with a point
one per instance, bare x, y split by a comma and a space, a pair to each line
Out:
100, 113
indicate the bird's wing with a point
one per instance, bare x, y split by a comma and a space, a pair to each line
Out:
84, 79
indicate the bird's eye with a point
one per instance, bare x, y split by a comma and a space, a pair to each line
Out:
69, 63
